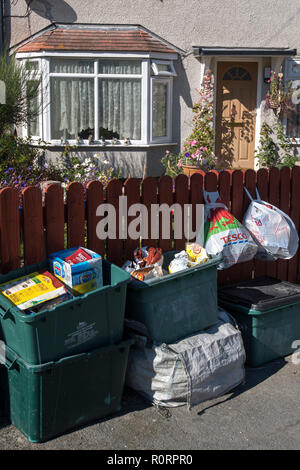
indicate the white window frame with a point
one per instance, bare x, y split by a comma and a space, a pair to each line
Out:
35, 74
291, 76
156, 71
169, 82
146, 94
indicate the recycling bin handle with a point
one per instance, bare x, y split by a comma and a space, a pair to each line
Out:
8, 363
4, 312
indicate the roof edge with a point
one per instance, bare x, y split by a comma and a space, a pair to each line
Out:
103, 26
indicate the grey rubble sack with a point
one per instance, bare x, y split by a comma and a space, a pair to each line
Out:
195, 369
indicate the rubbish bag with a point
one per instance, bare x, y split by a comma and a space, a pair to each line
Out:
273, 231
195, 369
224, 234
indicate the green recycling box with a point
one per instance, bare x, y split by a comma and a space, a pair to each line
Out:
76, 325
175, 305
267, 311
47, 400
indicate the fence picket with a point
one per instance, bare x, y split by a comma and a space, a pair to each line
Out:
274, 197
10, 230
75, 215
196, 197
33, 231
149, 197
165, 186
94, 197
262, 183
293, 268
132, 191
115, 246
54, 218
181, 198
284, 205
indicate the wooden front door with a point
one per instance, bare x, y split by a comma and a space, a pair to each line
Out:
235, 113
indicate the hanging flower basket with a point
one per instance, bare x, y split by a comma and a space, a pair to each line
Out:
274, 104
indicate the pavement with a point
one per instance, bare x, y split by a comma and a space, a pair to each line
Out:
262, 413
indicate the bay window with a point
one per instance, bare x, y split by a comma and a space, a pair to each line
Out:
95, 99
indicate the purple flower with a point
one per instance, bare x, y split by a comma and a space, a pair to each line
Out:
187, 154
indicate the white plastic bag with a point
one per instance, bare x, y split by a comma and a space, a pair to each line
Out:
224, 234
273, 230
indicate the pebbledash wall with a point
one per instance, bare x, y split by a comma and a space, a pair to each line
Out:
183, 23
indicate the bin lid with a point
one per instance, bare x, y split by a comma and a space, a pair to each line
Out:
261, 294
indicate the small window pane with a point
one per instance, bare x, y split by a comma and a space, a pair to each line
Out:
33, 123
159, 108
164, 67
72, 107
120, 108
237, 73
32, 65
71, 66
296, 68
112, 67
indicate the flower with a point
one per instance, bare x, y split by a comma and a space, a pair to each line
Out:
179, 164
194, 142
167, 152
187, 154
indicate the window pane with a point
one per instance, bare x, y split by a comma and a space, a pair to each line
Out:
296, 68
164, 68
293, 119
72, 107
33, 123
120, 108
159, 108
71, 66
293, 123
120, 67
31, 65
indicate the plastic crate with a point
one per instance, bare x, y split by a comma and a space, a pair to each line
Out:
79, 324
175, 305
49, 399
267, 311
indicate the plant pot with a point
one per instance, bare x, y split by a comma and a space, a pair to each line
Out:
189, 170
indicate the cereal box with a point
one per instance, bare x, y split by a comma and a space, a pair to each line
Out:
33, 289
82, 276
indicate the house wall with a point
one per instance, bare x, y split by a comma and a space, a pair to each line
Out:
184, 23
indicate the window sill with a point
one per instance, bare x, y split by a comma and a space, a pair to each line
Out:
104, 147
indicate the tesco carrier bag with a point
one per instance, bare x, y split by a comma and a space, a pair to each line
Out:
273, 230
224, 234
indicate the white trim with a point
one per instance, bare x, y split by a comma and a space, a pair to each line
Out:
168, 136
163, 73
109, 55
96, 101
145, 101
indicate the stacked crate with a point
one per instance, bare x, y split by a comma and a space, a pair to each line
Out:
64, 367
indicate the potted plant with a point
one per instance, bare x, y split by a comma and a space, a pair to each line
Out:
197, 152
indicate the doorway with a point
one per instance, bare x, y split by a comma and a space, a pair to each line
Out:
235, 113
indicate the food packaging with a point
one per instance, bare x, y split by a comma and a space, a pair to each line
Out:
81, 277
29, 291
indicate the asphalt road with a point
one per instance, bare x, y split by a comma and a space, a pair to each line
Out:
263, 413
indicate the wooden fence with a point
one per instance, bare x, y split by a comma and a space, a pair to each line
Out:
30, 233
